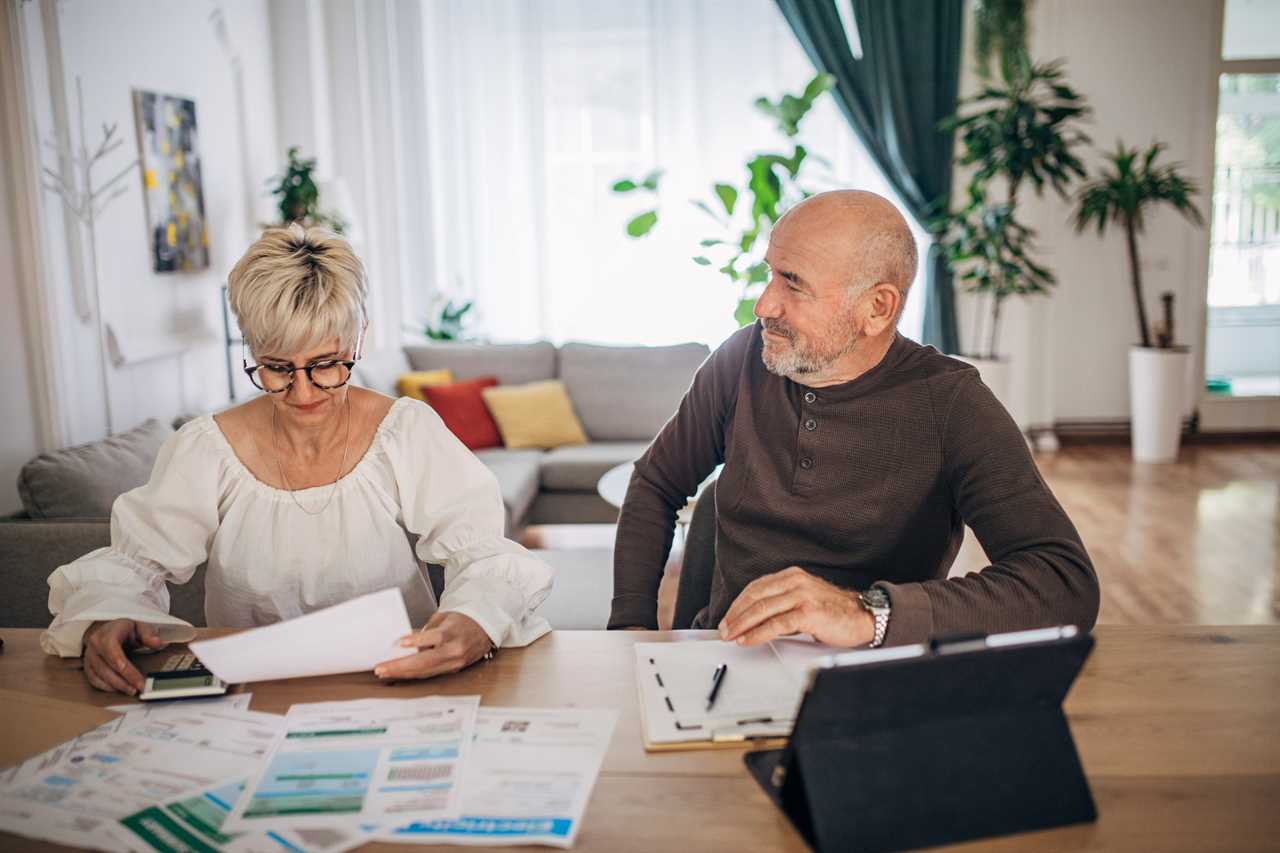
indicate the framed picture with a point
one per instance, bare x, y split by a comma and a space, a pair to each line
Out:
170, 153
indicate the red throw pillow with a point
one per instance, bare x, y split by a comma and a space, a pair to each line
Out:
463, 411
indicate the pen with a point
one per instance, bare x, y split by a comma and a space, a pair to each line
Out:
716, 680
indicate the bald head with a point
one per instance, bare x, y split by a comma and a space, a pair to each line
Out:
853, 230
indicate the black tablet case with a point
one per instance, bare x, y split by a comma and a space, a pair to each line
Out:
948, 747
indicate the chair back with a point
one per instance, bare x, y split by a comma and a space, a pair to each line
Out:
693, 593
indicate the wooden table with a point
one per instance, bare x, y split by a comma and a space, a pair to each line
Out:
1178, 729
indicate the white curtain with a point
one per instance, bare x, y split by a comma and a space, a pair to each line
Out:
529, 111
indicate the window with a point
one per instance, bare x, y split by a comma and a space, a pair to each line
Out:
1242, 343
539, 108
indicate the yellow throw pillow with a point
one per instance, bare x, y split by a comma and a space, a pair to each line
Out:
535, 415
410, 384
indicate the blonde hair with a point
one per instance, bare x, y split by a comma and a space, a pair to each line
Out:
297, 288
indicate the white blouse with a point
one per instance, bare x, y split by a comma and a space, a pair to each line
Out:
417, 496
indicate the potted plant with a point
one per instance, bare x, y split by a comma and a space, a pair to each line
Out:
1015, 133
1158, 368
299, 196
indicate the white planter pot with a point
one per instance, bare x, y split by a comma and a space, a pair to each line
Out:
996, 373
1157, 399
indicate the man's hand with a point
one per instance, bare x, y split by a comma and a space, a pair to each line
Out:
105, 644
448, 643
793, 601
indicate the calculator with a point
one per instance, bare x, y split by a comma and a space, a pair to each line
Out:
182, 677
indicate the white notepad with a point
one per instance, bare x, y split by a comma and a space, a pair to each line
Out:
758, 698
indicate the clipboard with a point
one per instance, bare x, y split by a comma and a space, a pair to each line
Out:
762, 691
918, 746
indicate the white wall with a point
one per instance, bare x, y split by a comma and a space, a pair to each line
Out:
1146, 68
115, 47
342, 71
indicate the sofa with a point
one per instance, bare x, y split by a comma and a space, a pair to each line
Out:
622, 396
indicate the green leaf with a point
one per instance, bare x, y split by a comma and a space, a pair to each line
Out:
650, 181
819, 84
705, 208
643, 223
702, 261
745, 312
705, 243
758, 273
728, 196
626, 185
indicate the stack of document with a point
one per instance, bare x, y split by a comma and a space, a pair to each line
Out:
210, 775
85, 791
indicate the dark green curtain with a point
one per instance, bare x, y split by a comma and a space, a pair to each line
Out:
894, 97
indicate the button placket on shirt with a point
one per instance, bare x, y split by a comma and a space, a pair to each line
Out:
806, 457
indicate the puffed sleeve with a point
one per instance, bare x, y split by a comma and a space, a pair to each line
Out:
451, 501
159, 532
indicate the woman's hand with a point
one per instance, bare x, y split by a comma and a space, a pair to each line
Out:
450, 642
105, 664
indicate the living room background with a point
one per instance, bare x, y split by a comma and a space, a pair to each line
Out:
466, 184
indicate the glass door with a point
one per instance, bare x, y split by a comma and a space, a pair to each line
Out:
1242, 344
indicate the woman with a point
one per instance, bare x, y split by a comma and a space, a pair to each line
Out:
310, 494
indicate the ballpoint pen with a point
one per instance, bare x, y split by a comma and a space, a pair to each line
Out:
716, 680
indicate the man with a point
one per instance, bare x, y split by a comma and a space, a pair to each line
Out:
853, 459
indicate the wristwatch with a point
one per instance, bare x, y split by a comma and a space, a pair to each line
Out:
876, 602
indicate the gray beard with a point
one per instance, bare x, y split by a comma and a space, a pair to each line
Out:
796, 361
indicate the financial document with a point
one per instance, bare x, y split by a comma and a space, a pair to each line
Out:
372, 761
350, 637
528, 779
195, 823
76, 792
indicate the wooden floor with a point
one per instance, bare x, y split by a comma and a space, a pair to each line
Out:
1196, 542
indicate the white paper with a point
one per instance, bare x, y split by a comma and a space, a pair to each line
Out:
75, 792
350, 637
195, 822
527, 781
759, 695
343, 764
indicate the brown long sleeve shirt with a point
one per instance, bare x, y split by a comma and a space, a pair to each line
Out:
867, 483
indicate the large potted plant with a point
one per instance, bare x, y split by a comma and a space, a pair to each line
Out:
1158, 368
1016, 133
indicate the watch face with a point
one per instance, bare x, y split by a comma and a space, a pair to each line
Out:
875, 598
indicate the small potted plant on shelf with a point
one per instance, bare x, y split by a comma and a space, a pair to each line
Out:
1158, 368
299, 195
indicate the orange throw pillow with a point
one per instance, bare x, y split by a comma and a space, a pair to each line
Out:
463, 411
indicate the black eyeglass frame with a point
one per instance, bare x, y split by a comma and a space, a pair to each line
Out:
252, 369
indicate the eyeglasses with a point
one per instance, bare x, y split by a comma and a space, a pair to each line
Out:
278, 378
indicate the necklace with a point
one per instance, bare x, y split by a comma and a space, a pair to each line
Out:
280, 463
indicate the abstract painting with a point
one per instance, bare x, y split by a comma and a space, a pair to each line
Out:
170, 154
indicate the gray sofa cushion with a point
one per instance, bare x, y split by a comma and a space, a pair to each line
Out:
513, 364
628, 393
31, 549
517, 473
579, 468
379, 371
83, 482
